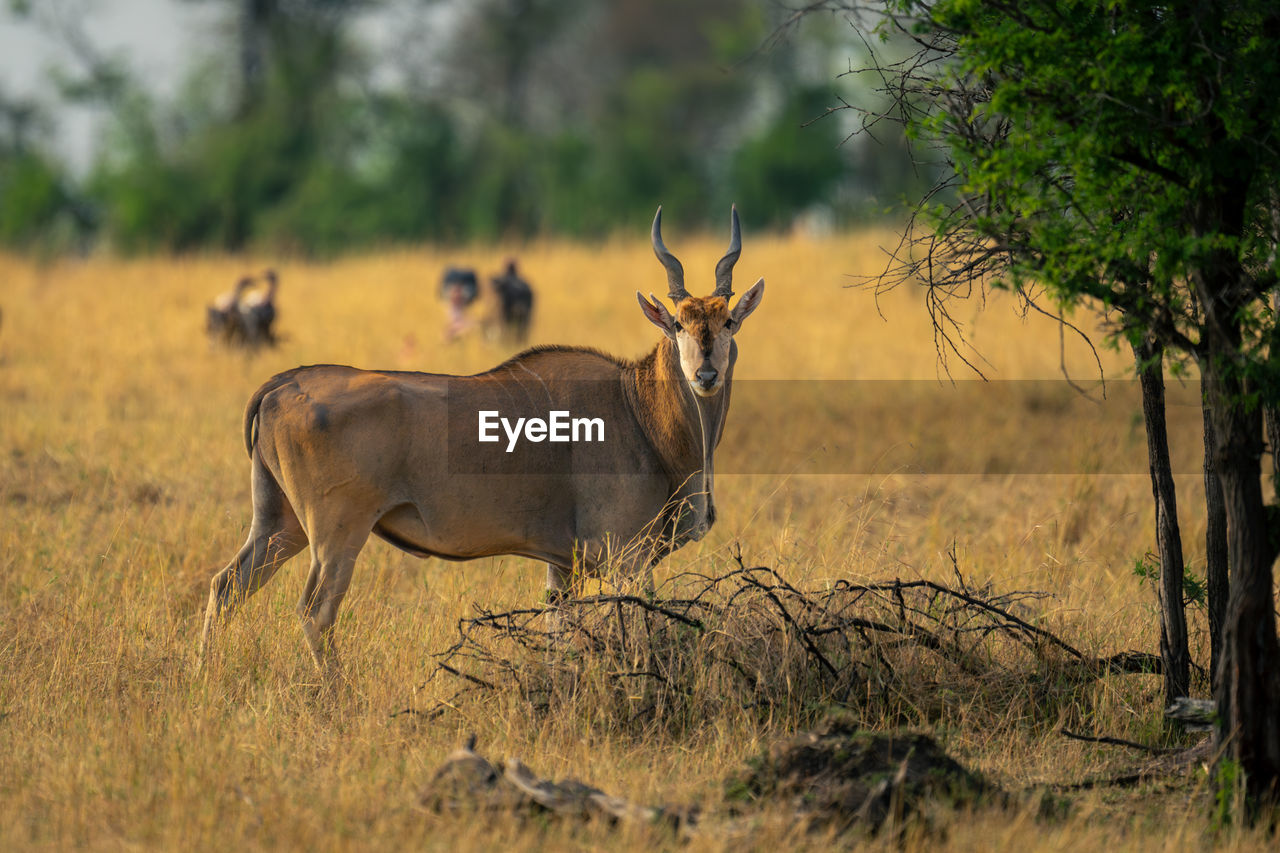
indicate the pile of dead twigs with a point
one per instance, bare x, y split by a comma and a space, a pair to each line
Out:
748, 641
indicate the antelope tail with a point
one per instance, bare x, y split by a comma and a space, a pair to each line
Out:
251, 418
255, 403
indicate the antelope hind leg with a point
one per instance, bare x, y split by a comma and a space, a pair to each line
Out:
274, 537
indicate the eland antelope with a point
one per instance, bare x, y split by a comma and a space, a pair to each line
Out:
338, 453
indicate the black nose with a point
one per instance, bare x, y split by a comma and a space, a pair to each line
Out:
707, 376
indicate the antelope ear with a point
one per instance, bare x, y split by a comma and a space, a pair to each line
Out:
658, 314
748, 303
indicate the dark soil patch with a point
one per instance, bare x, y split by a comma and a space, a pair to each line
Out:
838, 775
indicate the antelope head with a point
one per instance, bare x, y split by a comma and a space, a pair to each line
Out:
702, 326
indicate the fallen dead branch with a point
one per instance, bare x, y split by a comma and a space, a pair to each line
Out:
1166, 762
1115, 741
750, 641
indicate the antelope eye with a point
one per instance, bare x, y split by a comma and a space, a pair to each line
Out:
679, 328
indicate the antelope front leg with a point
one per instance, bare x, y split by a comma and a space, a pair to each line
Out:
560, 584
331, 566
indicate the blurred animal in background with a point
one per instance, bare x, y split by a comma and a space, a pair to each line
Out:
258, 313
459, 288
513, 308
239, 320
222, 316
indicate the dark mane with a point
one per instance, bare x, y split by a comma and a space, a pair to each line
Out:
545, 348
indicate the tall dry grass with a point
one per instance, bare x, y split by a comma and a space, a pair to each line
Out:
123, 487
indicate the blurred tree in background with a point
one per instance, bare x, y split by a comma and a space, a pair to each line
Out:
494, 118
34, 203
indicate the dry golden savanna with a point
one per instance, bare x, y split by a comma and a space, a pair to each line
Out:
124, 486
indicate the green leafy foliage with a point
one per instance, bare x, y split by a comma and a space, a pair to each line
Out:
31, 197
1104, 136
1194, 590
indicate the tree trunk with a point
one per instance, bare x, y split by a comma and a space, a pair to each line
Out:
1173, 622
1248, 687
1271, 408
254, 18
1215, 546
1271, 414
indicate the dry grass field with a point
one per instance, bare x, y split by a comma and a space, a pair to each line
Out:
124, 487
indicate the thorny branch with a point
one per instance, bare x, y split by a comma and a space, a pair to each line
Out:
749, 637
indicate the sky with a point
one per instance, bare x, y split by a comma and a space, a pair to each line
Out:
156, 36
